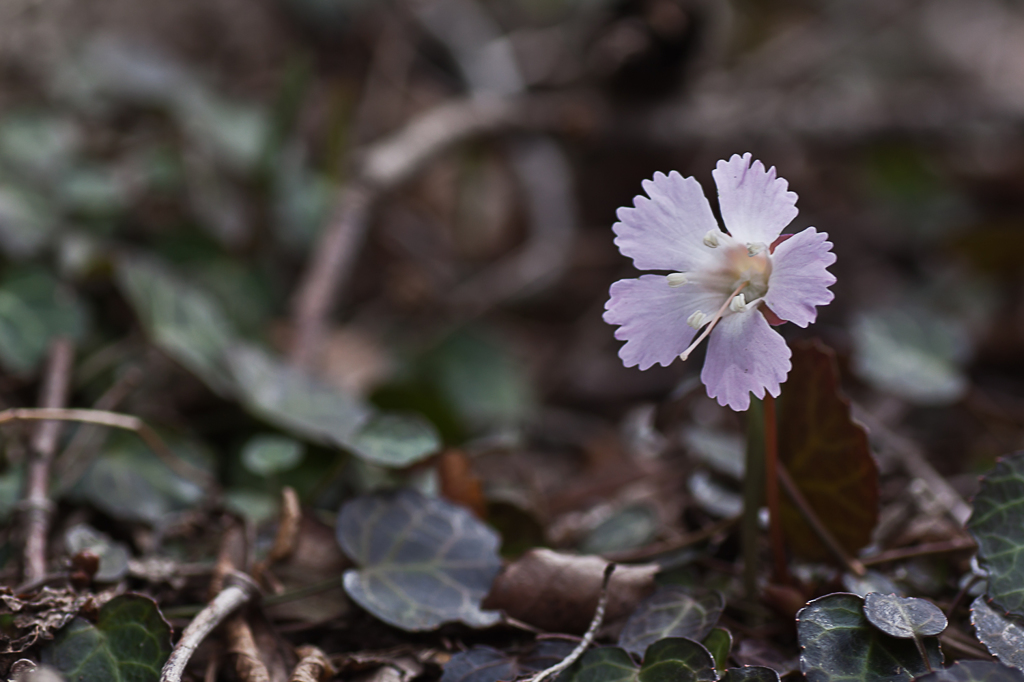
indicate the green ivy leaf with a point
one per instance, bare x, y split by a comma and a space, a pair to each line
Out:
827, 455
719, 643
904, 617
672, 611
605, 664
996, 526
750, 673
1002, 634
269, 454
396, 440
130, 642
422, 561
974, 671
838, 644
675, 659
484, 664
34, 309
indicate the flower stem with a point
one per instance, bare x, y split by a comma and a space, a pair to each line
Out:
771, 480
753, 494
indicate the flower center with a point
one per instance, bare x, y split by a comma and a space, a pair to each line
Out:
749, 264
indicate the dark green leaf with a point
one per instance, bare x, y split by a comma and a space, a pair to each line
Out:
606, 664
719, 643
672, 611
484, 664
291, 399
268, 454
396, 440
675, 659
35, 308
422, 561
1002, 634
750, 673
185, 322
827, 456
130, 642
975, 671
838, 644
996, 525
904, 617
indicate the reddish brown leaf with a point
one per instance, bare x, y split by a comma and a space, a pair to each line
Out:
559, 592
827, 455
459, 484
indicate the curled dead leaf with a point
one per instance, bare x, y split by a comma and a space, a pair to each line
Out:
558, 592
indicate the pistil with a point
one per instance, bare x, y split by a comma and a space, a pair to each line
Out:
714, 320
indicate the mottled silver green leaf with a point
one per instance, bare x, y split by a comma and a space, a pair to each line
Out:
904, 617
672, 611
974, 671
996, 524
676, 659
422, 561
1001, 633
838, 644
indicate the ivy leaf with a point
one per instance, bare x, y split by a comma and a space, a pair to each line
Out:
396, 440
838, 644
269, 454
995, 525
974, 671
719, 643
672, 611
484, 664
675, 659
1002, 635
605, 664
904, 617
827, 456
422, 561
750, 673
35, 308
182, 320
291, 399
130, 642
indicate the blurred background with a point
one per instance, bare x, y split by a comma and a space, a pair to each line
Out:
261, 222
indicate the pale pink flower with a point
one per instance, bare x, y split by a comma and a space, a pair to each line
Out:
722, 282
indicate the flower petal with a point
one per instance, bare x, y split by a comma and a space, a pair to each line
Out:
744, 356
755, 204
799, 280
666, 232
653, 317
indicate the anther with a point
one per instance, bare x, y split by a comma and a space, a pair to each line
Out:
677, 279
713, 321
711, 238
697, 320
738, 304
755, 248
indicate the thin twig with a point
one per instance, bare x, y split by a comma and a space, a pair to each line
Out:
925, 549
37, 505
287, 532
248, 665
673, 545
239, 590
811, 517
588, 636
116, 421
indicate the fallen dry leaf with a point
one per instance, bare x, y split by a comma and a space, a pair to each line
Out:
558, 592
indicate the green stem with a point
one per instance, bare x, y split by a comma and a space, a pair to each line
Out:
753, 494
771, 481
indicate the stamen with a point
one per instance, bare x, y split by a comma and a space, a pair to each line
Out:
697, 320
711, 238
755, 248
677, 279
714, 320
738, 304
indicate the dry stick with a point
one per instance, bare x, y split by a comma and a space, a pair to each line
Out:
771, 481
239, 590
385, 165
287, 532
314, 666
37, 505
588, 636
924, 549
248, 665
117, 421
811, 517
